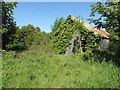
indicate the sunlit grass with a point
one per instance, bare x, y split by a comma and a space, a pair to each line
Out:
29, 69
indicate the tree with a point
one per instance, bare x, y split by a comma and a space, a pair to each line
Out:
57, 23
0, 26
109, 16
25, 37
8, 23
110, 20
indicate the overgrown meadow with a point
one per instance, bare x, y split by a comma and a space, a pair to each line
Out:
37, 69
32, 58
41, 67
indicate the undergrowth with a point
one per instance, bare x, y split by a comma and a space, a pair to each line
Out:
37, 69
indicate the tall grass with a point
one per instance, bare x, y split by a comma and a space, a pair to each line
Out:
37, 69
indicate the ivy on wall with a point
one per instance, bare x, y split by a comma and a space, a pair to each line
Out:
87, 40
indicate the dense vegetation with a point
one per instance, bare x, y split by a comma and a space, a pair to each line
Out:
32, 58
35, 68
110, 20
62, 36
8, 23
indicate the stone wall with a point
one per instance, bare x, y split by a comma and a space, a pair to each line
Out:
73, 47
104, 43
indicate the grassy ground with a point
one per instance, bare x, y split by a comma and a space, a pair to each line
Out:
37, 69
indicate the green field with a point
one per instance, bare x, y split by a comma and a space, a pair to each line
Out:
36, 69
73, 54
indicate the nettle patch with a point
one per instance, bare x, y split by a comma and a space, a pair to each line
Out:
83, 39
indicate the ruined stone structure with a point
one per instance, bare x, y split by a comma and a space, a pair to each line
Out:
72, 48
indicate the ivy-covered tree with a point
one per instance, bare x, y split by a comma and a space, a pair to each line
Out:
8, 23
110, 20
70, 28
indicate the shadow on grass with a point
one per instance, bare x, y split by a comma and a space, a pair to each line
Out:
106, 56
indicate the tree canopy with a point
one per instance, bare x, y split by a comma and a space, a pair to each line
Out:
110, 20
57, 23
8, 23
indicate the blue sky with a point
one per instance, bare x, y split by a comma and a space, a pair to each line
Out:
43, 14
